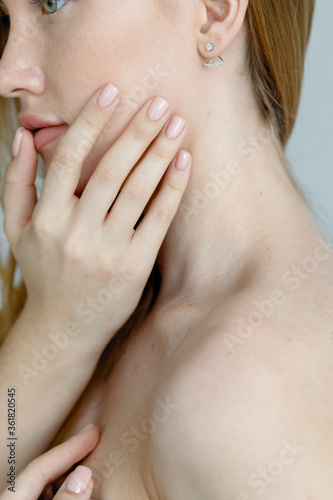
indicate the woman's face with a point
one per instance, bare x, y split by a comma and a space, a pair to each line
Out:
54, 62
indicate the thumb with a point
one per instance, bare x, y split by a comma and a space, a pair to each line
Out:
78, 485
19, 192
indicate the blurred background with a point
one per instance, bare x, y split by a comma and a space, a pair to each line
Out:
310, 149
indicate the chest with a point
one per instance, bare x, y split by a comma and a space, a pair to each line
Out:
128, 409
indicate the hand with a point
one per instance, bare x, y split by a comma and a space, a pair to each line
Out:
31, 482
78, 261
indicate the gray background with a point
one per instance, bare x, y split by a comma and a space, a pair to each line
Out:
310, 149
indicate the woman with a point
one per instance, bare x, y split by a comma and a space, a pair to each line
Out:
186, 313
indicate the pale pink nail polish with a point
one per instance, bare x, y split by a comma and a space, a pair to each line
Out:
17, 141
79, 479
183, 159
158, 108
89, 426
175, 127
107, 96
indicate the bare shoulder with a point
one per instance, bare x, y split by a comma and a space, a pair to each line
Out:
284, 324
252, 388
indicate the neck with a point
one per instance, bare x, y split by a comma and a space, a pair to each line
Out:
239, 198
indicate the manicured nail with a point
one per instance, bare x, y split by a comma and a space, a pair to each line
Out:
89, 426
182, 160
158, 108
175, 127
107, 95
17, 141
78, 480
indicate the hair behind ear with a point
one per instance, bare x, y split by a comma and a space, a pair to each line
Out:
279, 35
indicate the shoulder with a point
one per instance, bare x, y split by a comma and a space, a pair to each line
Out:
263, 401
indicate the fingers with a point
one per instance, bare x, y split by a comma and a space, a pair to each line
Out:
161, 211
115, 166
78, 485
19, 192
142, 183
52, 464
65, 168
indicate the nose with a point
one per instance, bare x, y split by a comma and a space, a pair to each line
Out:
20, 72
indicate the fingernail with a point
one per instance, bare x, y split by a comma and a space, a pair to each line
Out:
175, 127
17, 142
158, 108
107, 95
183, 159
78, 480
85, 428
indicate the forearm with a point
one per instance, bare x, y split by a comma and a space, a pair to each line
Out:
49, 370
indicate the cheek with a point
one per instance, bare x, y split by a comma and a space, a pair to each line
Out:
126, 43
116, 43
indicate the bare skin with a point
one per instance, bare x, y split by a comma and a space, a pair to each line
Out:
128, 406
230, 244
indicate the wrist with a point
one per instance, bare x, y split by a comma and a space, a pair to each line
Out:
50, 334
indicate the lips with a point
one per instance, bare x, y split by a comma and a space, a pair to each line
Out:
44, 131
46, 135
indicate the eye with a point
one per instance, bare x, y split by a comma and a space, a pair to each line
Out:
53, 5
50, 6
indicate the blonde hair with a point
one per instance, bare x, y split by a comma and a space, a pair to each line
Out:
279, 34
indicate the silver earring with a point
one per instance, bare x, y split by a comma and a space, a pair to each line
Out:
210, 46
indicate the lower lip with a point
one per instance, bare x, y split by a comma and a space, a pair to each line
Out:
48, 134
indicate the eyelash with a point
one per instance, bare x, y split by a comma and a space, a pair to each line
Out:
4, 18
5, 21
38, 3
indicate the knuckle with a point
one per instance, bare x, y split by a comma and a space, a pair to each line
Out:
35, 469
161, 152
106, 175
41, 226
161, 215
134, 191
139, 133
73, 248
64, 158
9, 176
90, 122
70, 449
175, 184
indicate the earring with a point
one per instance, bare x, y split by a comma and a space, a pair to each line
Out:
209, 46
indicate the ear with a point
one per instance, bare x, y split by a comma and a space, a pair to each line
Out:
221, 21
